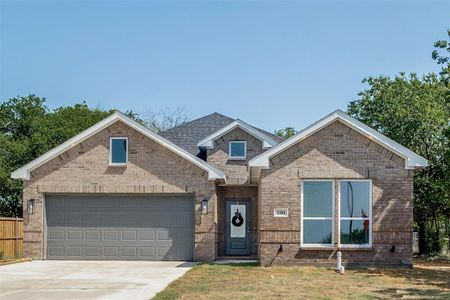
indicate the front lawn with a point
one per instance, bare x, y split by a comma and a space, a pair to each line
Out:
425, 281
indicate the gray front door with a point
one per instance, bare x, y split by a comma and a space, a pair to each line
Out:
120, 227
238, 227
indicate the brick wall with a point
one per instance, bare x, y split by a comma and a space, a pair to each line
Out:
337, 152
235, 170
151, 169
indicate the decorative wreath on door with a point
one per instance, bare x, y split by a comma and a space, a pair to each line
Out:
237, 220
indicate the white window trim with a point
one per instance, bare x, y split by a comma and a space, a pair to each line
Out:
110, 151
354, 246
333, 218
237, 157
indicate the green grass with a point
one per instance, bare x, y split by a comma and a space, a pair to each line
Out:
205, 281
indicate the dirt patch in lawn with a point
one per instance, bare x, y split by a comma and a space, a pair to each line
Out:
424, 281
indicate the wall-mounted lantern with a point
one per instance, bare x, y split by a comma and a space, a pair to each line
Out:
204, 206
30, 207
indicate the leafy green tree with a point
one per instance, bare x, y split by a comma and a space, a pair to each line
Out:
441, 54
286, 132
414, 111
28, 129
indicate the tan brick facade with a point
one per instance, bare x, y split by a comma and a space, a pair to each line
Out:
235, 170
151, 169
337, 152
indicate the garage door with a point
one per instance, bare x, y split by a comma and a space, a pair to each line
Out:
120, 227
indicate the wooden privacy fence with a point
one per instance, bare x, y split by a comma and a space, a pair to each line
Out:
11, 237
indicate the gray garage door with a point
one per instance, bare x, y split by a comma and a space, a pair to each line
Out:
120, 227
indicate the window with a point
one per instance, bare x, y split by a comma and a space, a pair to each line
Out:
317, 213
118, 148
237, 150
355, 201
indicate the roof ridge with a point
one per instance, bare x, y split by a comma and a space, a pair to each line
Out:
195, 120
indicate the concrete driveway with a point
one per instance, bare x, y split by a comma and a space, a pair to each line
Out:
88, 279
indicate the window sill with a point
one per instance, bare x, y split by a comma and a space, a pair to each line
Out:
315, 248
118, 165
350, 248
332, 248
237, 158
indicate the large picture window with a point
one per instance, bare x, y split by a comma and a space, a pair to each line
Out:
355, 201
317, 213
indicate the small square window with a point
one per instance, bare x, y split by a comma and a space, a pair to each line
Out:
118, 149
237, 150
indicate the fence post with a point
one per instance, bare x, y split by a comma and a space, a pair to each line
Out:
16, 236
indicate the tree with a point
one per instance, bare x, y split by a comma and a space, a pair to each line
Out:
441, 54
414, 112
28, 129
285, 132
165, 119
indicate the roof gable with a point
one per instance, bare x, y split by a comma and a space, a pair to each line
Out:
267, 140
188, 134
412, 160
24, 172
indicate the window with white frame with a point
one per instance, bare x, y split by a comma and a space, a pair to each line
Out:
317, 213
118, 151
355, 201
237, 150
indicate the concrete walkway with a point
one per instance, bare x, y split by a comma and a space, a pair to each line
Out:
88, 279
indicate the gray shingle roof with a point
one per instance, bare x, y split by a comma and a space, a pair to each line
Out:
187, 135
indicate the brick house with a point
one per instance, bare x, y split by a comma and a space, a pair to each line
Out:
218, 187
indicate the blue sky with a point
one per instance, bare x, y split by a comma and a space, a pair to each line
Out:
272, 64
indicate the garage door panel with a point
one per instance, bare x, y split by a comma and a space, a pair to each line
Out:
55, 251
167, 219
56, 235
72, 204
74, 235
147, 252
79, 227
129, 251
93, 219
183, 220
93, 251
56, 220
74, 219
74, 251
57, 204
183, 205
109, 235
111, 252
92, 235
147, 235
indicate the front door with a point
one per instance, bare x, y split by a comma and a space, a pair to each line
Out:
238, 225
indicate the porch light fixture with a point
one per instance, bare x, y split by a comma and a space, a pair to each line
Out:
30, 207
204, 206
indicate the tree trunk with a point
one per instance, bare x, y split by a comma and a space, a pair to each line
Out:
422, 241
447, 229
